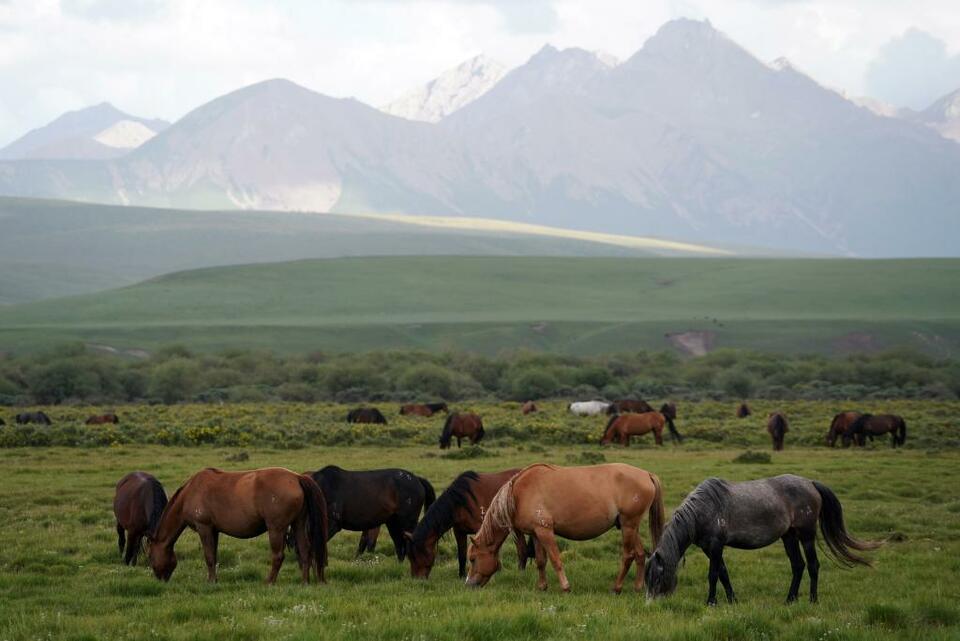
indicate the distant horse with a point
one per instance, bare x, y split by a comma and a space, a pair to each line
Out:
366, 415
621, 427
364, 500
876, 425
245, 505
102, 419
137, 505
749, 516
460, 507
33, 417
529, 408
588, 408
578, 503
436, 408
461, 425
629, 405
777, 427
2, 422
423, 409
839, 426
743, 411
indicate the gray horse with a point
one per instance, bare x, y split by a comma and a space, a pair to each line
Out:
750, 516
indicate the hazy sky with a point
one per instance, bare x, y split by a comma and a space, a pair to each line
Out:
154, 58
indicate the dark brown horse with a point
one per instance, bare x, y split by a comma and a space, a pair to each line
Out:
245, 505
877, 425
461, 507
366, 415
461, 425
743, 411
625, 405
423, 409
839, 426
137, 505
528, 408
777, 427
622, 426
40, 418
102, 419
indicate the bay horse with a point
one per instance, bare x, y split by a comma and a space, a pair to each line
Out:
875, 425
839, 426
423, 409
588, 408
138, 502
743, 411
41, 418
364, 500
622, 426
460, 507
577, 503
102, 419
629, 405
461, 425
749, 516
366, 415
245, 505
528, 408
777, 427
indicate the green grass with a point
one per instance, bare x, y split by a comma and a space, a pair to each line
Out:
575, 305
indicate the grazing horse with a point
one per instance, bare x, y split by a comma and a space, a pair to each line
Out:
25, 418
589, 408
875, 425
622, 426
529, 408
629, 405
366, 415
743, 411
460, 507
777, 427
436, 408
578, 503
839, 426
137, 505
423, 409
749, 516
245, 505
367, 499
102, 419
461, 425
2, 422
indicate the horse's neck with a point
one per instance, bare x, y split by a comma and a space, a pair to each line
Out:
494, 536
678, 538
172, 523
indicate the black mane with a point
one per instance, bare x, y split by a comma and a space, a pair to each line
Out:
707, 499
439, 517
156, 509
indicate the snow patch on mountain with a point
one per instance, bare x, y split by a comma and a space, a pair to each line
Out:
125, 134
450, 91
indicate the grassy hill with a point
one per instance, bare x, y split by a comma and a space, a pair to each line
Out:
576, 305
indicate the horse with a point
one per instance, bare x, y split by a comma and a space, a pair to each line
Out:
839, 426
529, 408
138, 502
102, 419
423, 409
743, 411
622, 426
367, 499
749, 516
245, 505
629, 405
588, 408
777, 427
578, 503
366, 415
460, 507
461, 425
25, 418
2, 422
436, 408
875, 425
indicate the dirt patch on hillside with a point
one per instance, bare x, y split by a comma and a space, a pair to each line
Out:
856, 342
692, 343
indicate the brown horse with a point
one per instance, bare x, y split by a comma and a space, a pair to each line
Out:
423, 409
875, 425
245, 505
839, 426
777, 427
366, 415
138, 503
529, 408
743, 411
461, 425
102, 419
629, 405
578, 503
622, 426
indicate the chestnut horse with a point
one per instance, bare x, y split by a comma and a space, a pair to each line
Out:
366, 415
743, 411
102, 419
622, 426
875, 425
529, 408
461, 425
460, 507
629, 405
423, 409
245, 505
777, 427
138, 503
577, 503
839, 426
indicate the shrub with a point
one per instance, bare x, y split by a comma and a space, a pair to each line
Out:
531, 384
174, 380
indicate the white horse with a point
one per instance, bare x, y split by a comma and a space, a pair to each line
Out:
589, 408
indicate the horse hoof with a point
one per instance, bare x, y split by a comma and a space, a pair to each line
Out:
616, 590
711, 604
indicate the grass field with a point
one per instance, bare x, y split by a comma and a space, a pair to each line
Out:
574, 305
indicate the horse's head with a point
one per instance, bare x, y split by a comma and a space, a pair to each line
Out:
484, 562
163, 560
422, 555
660, 576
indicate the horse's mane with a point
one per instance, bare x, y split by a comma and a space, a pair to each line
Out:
710, 496
439, 516
503, 505
156, 510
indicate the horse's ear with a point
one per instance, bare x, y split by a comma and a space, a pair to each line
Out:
409, 535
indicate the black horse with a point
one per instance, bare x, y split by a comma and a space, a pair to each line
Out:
777, 427
364, 500
33, 417
876, 425
750, 516
366, 415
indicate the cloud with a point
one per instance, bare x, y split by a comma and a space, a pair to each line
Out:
913, 71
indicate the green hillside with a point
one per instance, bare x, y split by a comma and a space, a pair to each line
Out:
576, 305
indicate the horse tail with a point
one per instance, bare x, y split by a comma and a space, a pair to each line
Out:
156, 510
429, 495
656, 514
315, 506
480, 431
835, 535
529, 552
901, 435
606, 430
447, 432
673, 428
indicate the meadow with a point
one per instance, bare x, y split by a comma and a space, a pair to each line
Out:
61, 577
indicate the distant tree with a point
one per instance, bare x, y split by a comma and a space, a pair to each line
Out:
174, 380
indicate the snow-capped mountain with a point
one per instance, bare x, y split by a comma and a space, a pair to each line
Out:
943, 115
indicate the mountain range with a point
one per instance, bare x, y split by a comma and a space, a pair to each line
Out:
691, 138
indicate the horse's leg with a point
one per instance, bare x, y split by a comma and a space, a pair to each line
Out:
725, 582
640, 556
549, 542
277, 540
716, 560
121, 537
658, 436
209, 538
791, 544
364, 543
540, 555
458, 442
628, 551
395, 528
809, 541
461, 537
133, 548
